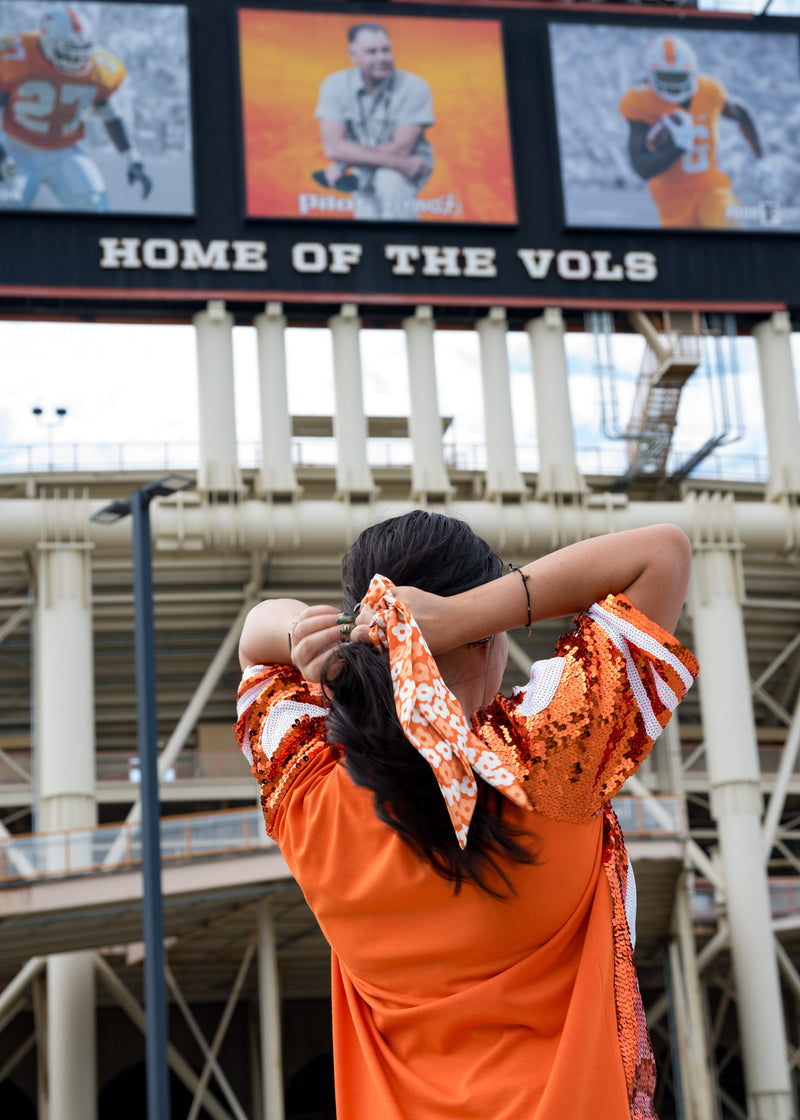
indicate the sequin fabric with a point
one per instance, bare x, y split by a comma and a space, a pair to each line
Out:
634, 1040
262, 689
621, 678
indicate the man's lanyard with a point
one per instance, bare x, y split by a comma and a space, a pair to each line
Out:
368, 117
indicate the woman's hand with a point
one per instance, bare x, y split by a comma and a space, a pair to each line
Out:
316, 633
434, 614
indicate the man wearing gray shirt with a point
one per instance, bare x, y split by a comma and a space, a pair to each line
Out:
372, 120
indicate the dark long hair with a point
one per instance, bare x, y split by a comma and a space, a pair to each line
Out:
443, 556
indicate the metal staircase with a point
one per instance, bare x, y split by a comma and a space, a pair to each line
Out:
678, 345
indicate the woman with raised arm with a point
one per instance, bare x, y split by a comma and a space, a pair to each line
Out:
457, 846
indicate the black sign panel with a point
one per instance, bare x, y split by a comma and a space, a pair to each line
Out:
538, 253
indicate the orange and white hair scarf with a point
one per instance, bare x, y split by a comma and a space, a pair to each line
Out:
431, 716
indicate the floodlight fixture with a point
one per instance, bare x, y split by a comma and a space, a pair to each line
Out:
159, 488
114, 511
166, 485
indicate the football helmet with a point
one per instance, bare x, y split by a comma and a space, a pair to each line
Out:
672, 68
67, 41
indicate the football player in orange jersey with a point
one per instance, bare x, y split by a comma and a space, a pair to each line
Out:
673, 117
50, 82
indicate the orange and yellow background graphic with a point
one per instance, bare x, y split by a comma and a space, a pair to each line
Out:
284, 57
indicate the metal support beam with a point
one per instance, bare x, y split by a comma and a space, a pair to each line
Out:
12, 622
39, 994
219, 1035
135, 1013
709, 952
270, 1012
13, 1061
323, 527
200, 1039
733, 771
696, 1062
779, 398
698, 857
24, 978
777, 801
185, 725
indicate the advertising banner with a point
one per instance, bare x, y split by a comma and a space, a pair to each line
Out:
375, 118
95, 108
677, 128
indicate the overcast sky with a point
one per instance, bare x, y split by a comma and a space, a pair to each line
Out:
137, 385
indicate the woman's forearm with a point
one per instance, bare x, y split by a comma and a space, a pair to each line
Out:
265, 635
650, 566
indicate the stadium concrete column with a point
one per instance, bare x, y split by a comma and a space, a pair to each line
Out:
276, 475
65, 783
429, 479
558, 468
779, 397
219, 467
503, 478
269, 1002
736, 805
353, 476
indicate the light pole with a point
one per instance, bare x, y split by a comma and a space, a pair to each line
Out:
155, 996
59, 415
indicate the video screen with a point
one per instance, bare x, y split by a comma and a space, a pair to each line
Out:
677, 129
365, 118
95, 108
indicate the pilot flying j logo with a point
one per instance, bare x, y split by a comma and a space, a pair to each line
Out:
164, 254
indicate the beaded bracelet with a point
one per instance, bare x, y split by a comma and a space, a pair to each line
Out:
525, 578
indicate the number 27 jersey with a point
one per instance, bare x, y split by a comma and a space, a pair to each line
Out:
695, 171
45, 107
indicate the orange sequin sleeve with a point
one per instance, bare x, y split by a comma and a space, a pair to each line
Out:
280, 726
588, 717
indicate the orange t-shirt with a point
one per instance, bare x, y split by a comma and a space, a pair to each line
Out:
696, 171
45, 107
459, 1006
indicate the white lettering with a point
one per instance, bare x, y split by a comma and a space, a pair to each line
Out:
160, 252
344, 256
479, 262
309, 256
249, 256
440, 260
641, 266
306, 203
214, 256
536, 261
601, 257
573, 264
402, 255
120, 252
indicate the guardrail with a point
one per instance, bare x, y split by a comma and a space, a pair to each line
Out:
784, 896
605, 459
650, 816
81, 851
123, 766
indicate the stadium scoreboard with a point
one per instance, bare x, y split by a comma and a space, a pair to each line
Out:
154, 156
